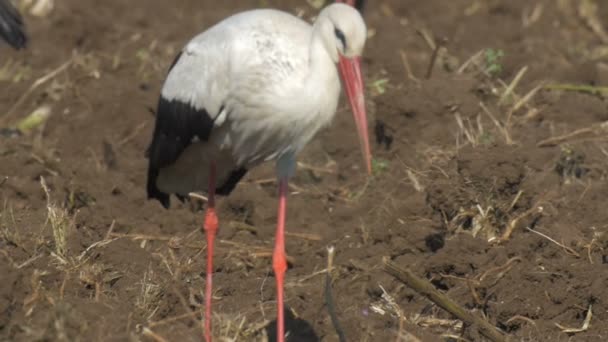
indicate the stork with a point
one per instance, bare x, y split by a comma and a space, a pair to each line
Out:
11, 25
255, 87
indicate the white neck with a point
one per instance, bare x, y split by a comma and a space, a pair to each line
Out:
323, 54
322, 38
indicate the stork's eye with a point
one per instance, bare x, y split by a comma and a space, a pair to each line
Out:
340, 36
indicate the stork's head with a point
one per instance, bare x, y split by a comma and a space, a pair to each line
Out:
344, 35
349, 31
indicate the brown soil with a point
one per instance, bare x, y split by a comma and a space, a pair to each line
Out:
442, 197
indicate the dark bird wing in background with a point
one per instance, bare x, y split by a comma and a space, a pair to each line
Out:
359, 4
11, 25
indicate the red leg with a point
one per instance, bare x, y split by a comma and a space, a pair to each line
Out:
210, 226
279, 260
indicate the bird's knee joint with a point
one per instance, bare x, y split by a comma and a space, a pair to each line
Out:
211, 221
279, 263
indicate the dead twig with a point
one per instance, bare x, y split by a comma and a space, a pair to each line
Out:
589, 248
316, 168
329, 300
473, 288
500, 269
407, 67
515, 200
433, 61
100, 243
414, 179
110, 230
595, 129
583, 88
529, 17
305, 236
312, 275
520, 318
268, 254
29, 261
438, 45
97, 291
133, 134
426, 36
585, 326
472, 60
522, 102
151, 334
566, 248
502, 128
199, 197
428, 290
516, 222
145, 237
588, 11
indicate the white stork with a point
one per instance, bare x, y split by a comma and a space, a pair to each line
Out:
11, 25
253, 88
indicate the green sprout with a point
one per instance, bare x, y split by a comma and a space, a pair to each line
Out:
493, 61
486, 139
379, 86
379, 165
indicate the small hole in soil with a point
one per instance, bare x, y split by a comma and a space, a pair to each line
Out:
511, 327
410, 114
439, 284
571, 164
467, 223
374, 292
434, 242
382, 137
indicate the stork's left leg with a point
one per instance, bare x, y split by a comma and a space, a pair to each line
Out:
210, 226
279, 260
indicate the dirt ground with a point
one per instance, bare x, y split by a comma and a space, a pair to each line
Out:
489, 181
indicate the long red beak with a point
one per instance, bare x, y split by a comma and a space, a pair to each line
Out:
350, 68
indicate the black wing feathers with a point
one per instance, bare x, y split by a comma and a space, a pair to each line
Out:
177, 124
359, 4
11, 25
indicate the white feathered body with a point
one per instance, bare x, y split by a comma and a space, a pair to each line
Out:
269, 85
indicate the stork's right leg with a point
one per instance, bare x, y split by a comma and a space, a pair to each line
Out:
279, 260
210, 226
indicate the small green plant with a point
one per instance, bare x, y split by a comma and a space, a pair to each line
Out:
378, 87
493, 61
486, 138
379, 165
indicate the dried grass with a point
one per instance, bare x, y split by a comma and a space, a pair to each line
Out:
148, 300
60, 220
